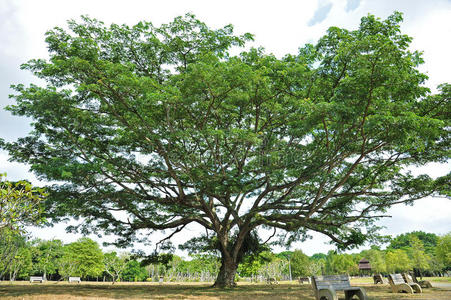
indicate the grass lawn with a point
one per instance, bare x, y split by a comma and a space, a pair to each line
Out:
198, 291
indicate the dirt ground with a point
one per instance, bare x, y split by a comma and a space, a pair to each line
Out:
197, 291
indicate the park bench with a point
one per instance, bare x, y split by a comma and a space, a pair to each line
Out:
399, 285
326, 287
378, 278
271, 280
36, 278
411, 278
304, 279
74, 279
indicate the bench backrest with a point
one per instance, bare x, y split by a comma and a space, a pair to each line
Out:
337, 282
74, 278
397, 279
407, 278
36, 278
414, 278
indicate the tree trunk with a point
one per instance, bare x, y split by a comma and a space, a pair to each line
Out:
226, 275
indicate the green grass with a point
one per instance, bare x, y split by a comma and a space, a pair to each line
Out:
437, 279
197, 291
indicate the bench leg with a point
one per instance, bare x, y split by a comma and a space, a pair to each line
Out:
327, 295
359, 293
425, 284
403, 287
416, 288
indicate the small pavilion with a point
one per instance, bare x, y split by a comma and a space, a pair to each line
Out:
364, 267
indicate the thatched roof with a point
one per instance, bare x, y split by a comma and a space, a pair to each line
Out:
364, 264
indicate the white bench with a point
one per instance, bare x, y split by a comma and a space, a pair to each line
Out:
398, 285
325, 287
36, 278
74, 279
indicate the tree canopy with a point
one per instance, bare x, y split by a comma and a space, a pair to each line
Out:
20, 205
156, 128
406, 240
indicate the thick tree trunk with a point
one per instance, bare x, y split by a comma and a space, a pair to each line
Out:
226, 275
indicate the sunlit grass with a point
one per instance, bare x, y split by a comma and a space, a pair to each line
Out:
195, 291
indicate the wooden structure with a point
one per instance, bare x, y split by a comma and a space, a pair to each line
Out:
326, 287
304, 279
411, 277
398, 285
378, 278
75, 279
364, 267
36, 278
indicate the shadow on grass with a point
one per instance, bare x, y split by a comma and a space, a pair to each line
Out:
152, 291
65, 291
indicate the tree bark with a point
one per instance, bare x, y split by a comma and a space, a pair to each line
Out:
226, 275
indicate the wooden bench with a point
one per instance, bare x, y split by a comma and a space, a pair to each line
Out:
399, 285
36, 278
412, 277
378, 278
326, 287
304, 279
271, 280
74, 279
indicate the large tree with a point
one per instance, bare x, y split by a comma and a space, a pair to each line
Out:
155, 128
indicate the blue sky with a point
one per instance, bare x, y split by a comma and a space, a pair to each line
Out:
279, 26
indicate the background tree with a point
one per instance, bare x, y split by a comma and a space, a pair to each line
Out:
443, 250
19, 204
376, 258
133, 271
114, 265
21, 265
252, 265
45, 255
341, 264
397, 261
420, 260
300, 264
82, 258
164, 126
11, 243
68, 264
404, 241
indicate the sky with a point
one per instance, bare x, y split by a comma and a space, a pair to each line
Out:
281, 27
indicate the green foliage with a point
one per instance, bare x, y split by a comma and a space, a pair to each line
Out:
82, 258
133, 271
115, 265
19, 205
252, 264
443, 250
340, 264
318, 256
300, 264
404, 241
376, 258
397, 261
420, 260
45, 255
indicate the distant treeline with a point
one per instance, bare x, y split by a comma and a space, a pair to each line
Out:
20, 258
